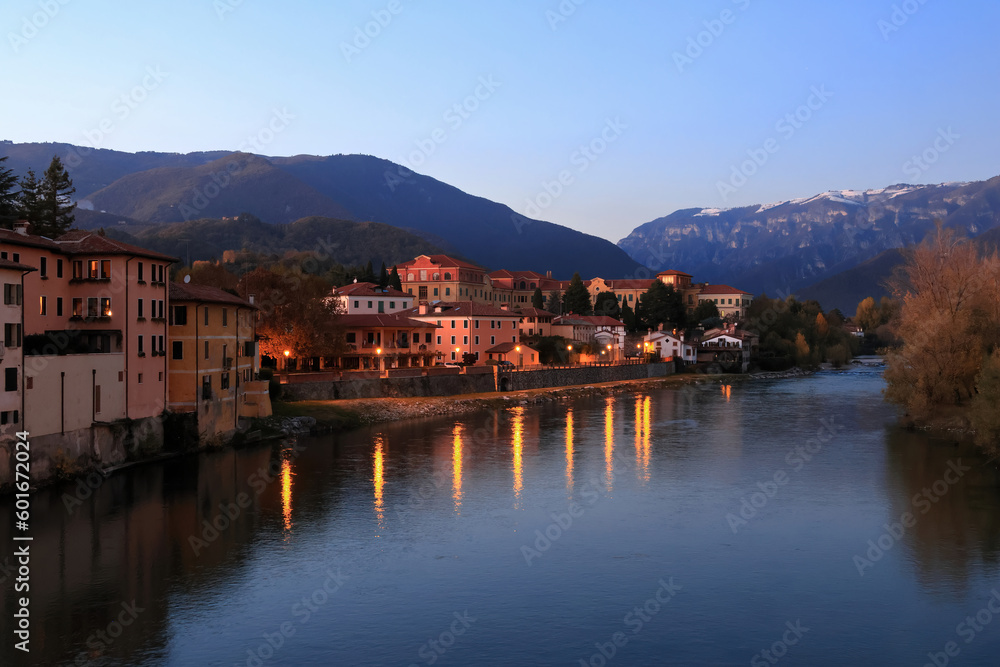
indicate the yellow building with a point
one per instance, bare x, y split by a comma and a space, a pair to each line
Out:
214, 361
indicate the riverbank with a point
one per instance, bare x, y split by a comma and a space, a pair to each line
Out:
345, 414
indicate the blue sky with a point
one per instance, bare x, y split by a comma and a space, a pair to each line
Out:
671, 99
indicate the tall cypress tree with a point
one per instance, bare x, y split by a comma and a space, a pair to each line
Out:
9, 209
577, 298
383, 276
29, 201
394, 280
56, 196
537, 299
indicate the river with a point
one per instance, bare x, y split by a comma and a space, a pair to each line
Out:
780, 521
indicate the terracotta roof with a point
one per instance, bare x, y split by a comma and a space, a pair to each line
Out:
374, 320
721, 289
369, 289
462, 309
442, 260
535, 312
17, 266
673, 272
205, 294
80, 242
571, 319
14, 238
601, 320
629, 283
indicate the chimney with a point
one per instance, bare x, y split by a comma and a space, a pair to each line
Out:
422, 309
548, 274
22, 227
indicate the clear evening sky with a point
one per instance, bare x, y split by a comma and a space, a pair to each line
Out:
669, 97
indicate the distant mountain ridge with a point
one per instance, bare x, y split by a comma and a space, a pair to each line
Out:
786, 246
170, 187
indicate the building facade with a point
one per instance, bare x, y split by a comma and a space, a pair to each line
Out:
467, 327
369, 298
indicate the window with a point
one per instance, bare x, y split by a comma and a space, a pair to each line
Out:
477, 324
139, 378
493, 340
465, 324
405, 304
59, 264
97, 399
12, 294
381, 306
447, 276
435, 291
225, 317
206, 387
206, 349
17, 257
105, 306
77, 269
453, 324
439, 340
369, 305
59, 310
180, 315
161, 272
12, 335
437, 276
105, 269
225, 380
42, 305
357, 304
162, 349
392, 305
139, 310
447, 291
477, 340
465, 340
43, 267
10, 379
93, 267
178, 352
138, 273
142, 352
161, 309
92, 307
77, 307
452, 340
206, 316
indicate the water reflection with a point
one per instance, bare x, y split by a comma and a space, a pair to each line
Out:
517, 424
646, 430
569, 451
286, 494
378, 476
609, 443
456, 465
727, 391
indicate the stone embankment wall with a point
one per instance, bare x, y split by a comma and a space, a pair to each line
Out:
475, 382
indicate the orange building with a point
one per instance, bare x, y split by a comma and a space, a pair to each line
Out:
214, 360
12, 396
467, 327
431, 278
378, 342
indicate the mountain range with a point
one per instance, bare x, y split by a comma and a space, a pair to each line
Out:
170, 188
789, 246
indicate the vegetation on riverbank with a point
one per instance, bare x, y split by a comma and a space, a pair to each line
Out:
946, 373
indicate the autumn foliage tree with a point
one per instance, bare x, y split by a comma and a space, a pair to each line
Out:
295, 314
949, 322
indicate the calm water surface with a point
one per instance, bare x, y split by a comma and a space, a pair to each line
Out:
688, 526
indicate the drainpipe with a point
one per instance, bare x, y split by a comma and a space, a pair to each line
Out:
125, 335
93, 396
62, 402
236, 356
24, 417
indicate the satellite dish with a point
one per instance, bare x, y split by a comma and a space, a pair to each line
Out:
187, 278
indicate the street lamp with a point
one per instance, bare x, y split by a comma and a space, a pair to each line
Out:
378, 359
518, 350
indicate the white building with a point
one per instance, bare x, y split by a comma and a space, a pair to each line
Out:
369, 298
668, 344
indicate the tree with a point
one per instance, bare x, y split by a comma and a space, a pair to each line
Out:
868, 317
553, 303
538, 299
628, 317
29, 200
383, 276
295, 315
55, 194
394, 280
706, 310
984, 415
607, 304
949, 321
369, 275
8, 196
802, 353
577, 298
662, 304
212, 274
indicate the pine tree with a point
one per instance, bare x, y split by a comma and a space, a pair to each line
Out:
55, 194
577, 298
8, 196
369, 276
394, 280
554, 304
537, 299
29, 200
628, 317
662, 304
607, 304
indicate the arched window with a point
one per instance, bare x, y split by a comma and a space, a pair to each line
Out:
533, 285
409, 277
523, 285
447, 276
437, 276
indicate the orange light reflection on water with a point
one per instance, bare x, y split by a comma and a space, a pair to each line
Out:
378, 477
569, 451
518, 442
456, 465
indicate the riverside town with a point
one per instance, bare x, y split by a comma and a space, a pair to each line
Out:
561, 333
